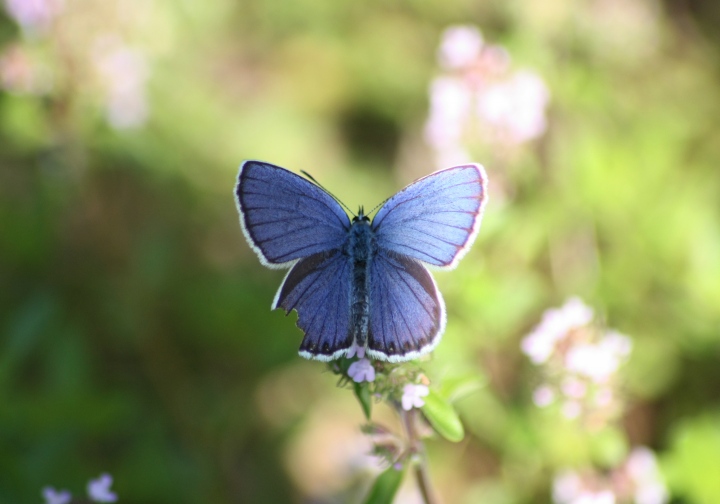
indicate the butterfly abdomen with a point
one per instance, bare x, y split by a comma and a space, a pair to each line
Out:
360, 249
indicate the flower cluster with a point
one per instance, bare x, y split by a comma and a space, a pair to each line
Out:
637, 480
99, 64
98, 490
21, 73
363, 370
479, 97
33, 15
579, 361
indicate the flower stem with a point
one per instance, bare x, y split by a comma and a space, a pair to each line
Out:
417, 448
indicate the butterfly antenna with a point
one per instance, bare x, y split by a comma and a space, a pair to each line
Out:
378, 206
323, 188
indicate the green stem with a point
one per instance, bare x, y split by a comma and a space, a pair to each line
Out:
417, 448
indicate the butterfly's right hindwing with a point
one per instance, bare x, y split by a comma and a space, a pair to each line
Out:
285, 217
407, 316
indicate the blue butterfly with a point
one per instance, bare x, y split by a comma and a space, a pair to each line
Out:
357, 284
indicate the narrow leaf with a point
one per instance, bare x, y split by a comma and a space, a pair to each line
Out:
385, 487
362, 391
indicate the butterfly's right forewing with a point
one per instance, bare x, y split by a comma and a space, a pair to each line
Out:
285, 217
434, 219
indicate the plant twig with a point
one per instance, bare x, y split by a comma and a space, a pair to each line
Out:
419, 459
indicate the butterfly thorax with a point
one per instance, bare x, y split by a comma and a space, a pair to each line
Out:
360, 249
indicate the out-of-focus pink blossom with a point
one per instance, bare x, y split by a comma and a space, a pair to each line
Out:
579, 361
515, 108
601, 360
478, 99
571, 409
20, 74
604, 397
123, 73
413, 396
574, 388
33, 15
642, 468
555, 324
566, 486
592, 361
636, 480
450, 107
460, 46
361, 371
570, 488
617, 343
543, 396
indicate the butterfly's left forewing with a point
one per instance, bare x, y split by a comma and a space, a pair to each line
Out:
285, 217
407, 316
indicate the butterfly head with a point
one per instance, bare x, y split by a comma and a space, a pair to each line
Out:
361, 217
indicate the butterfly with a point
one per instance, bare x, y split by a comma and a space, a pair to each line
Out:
355, 283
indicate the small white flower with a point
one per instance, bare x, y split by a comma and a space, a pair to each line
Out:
413, 396
356, 350
362, 370
99, 489
53, 496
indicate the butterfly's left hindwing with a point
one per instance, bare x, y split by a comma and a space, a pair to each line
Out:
318, 287
407, 315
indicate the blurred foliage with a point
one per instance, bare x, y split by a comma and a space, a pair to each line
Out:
135, 331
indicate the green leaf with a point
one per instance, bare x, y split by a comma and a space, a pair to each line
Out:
385, 487
443, 417
460, 386
362, 391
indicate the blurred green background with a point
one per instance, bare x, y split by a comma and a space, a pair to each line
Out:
135, 330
